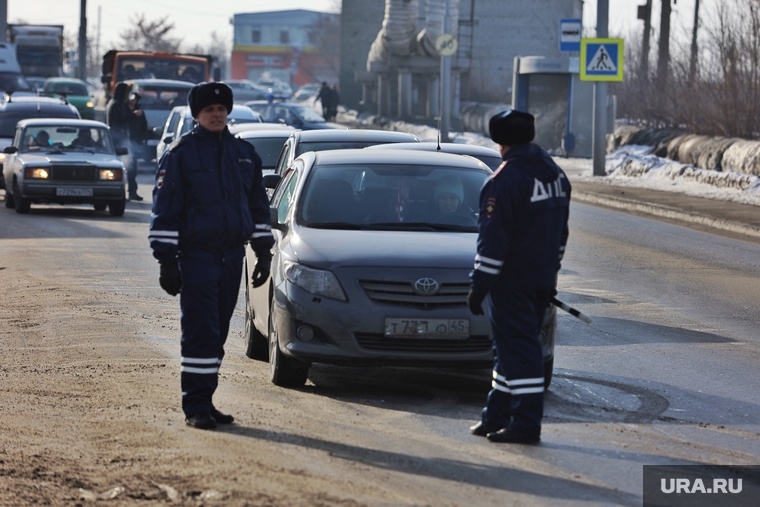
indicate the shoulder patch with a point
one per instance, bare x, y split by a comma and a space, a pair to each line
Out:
490, 207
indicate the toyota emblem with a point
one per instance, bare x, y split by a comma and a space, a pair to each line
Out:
426, 286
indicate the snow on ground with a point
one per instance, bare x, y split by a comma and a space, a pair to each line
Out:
630, 165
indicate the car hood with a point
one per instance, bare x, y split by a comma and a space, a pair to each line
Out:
338, 248
71, 158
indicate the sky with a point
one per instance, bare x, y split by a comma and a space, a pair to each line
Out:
195, 20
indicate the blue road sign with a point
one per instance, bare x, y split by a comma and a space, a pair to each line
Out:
570, 31
601, 60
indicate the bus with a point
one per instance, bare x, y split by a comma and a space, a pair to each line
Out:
129, 65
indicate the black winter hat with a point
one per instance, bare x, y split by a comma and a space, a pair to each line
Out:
511, 127
203, 95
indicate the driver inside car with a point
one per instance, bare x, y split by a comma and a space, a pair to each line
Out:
449, 195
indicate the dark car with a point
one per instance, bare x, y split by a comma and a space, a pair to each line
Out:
489, 156
20, 107
296, 115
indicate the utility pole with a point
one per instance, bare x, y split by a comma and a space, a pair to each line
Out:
694, 48
82, 52
663, 59
599, 125
3, 20
645, 14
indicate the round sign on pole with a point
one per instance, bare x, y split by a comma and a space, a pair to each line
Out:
446, 44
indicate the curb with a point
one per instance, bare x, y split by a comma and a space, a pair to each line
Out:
666, 212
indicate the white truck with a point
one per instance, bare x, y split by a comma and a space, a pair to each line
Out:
39, 49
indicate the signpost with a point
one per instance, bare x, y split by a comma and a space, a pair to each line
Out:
601, 60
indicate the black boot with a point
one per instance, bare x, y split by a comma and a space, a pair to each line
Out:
202, 421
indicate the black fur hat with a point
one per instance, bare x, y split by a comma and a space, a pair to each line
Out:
205, 94
511, 127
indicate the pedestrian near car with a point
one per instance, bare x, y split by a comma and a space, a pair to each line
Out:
325, 96
119, 118
138, 137
522, 233
208, 202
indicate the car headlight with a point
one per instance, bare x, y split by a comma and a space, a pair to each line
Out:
316, 281
90, 104
36, 173
110, 174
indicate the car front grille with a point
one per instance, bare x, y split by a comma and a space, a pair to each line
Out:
431, 345
74, 173
403, 294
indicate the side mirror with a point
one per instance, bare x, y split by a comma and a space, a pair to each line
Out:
274, 220
121, 150
10, 149
168, 139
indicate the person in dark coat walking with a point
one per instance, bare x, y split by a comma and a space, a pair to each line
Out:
522, 233
120, 117
326, 96
208, 202
138, 137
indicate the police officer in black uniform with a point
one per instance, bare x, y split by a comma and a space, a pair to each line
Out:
522, 233
208, 201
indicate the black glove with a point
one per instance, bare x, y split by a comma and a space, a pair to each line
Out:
475, 301
261, 271
170, 278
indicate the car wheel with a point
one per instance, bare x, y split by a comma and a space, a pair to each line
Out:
548, 372
284, 372
21, 204
256, 346
100, 206
116, 208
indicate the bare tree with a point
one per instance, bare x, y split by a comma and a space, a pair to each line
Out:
149, 35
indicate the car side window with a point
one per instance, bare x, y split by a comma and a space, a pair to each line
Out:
282, 161
283, 197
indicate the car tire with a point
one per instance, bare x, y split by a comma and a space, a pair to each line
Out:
284, 372
548, 372
100, 206
21, 204
116, 208
9, 202
256, 344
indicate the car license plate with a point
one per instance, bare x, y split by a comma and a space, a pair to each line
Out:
427, 328
73, 192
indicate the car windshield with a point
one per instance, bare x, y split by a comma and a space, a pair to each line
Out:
68, 88
163, 99
268, 149
391, 197
47, 138
308, 114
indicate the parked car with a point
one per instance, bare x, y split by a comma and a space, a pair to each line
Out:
361, 274
62, 161
296, 115
279, 89
244, 90
157, 98
268, 144
75, 91
180, 121
306, 92
489, 156
302, 141
16, 107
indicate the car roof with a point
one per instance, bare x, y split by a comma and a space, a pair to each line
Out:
240, 128
354, 134
29, 99
61, 122
259, 133
160, 83
65, 80
457, 148
389, 156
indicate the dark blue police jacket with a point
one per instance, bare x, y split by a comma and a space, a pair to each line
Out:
209, 196
522, 227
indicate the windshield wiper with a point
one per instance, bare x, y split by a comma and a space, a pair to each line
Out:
335, 225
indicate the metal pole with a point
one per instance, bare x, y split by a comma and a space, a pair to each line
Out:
82, 67
599, 126
3, 20
445, 82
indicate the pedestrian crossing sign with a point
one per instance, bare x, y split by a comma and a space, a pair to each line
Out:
601, 60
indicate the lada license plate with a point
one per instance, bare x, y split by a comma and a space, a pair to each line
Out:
427, 328
73, 192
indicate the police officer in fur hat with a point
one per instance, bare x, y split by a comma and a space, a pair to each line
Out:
208, 202
522, 233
